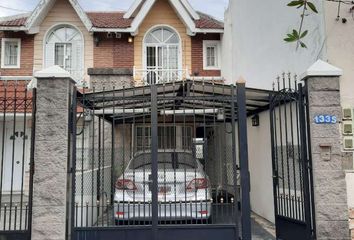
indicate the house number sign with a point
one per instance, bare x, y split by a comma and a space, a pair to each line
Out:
325, 119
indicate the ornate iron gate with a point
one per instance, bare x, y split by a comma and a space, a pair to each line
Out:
160, 162
292, 166
17, 127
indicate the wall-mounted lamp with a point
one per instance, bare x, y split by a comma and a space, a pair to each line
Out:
97, 40
220, 115
255, 120
130, 39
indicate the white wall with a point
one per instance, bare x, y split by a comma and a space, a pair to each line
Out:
340, 52
253, 47
258, 53
340, 47
260, 163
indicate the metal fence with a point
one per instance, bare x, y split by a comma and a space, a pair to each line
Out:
17, 110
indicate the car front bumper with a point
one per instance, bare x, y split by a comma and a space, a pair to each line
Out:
198, 210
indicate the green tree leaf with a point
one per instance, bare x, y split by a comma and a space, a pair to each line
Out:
296, 3
289, 40
304, 34
312, 7
303, 45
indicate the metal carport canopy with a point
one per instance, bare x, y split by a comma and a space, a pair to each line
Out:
188, 96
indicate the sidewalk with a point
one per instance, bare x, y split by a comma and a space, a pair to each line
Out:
262, 229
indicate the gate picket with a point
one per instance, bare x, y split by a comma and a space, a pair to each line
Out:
292, 174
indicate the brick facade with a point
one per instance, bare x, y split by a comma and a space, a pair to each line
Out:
27, 53
351, 222
109, 53
197, 56
113, 52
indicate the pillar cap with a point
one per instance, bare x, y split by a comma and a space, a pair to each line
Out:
322, 69
53, 72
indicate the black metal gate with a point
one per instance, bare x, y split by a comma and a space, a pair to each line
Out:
161, 162
17, 126
292, 165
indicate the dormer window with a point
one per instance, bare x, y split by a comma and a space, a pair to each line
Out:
10, 52
64, 47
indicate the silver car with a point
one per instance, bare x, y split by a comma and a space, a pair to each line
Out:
184, 191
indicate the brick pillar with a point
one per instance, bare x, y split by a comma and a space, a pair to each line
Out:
330, 194
351, 222
52, 154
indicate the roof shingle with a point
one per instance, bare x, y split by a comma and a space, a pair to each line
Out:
116, 20
14, 22
109, 19
208, 22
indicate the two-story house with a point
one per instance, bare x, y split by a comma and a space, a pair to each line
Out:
155, 41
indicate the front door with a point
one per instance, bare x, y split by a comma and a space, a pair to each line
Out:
162, 63
14, 158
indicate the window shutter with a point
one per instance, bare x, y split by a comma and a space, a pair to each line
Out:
49, 55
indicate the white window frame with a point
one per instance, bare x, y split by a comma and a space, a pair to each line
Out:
55, 27
65, 56
3, 42
217, 45
179, 46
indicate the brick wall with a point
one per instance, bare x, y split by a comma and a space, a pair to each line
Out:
197, 55
110, 53
27, 51
351, 222
113, 52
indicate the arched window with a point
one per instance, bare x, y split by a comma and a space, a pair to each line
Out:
162, 55
64, 47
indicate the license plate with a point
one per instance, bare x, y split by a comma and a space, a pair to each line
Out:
164, 190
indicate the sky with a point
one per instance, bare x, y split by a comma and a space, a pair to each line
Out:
215, 8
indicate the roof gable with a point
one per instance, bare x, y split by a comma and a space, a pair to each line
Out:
190, 9
43, 8
115, 21
136, 6
145, 7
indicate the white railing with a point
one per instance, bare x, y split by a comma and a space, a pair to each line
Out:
156, 76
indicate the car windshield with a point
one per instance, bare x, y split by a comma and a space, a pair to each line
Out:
166, 160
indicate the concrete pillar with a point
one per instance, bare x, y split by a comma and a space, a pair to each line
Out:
330, 190
52, 155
